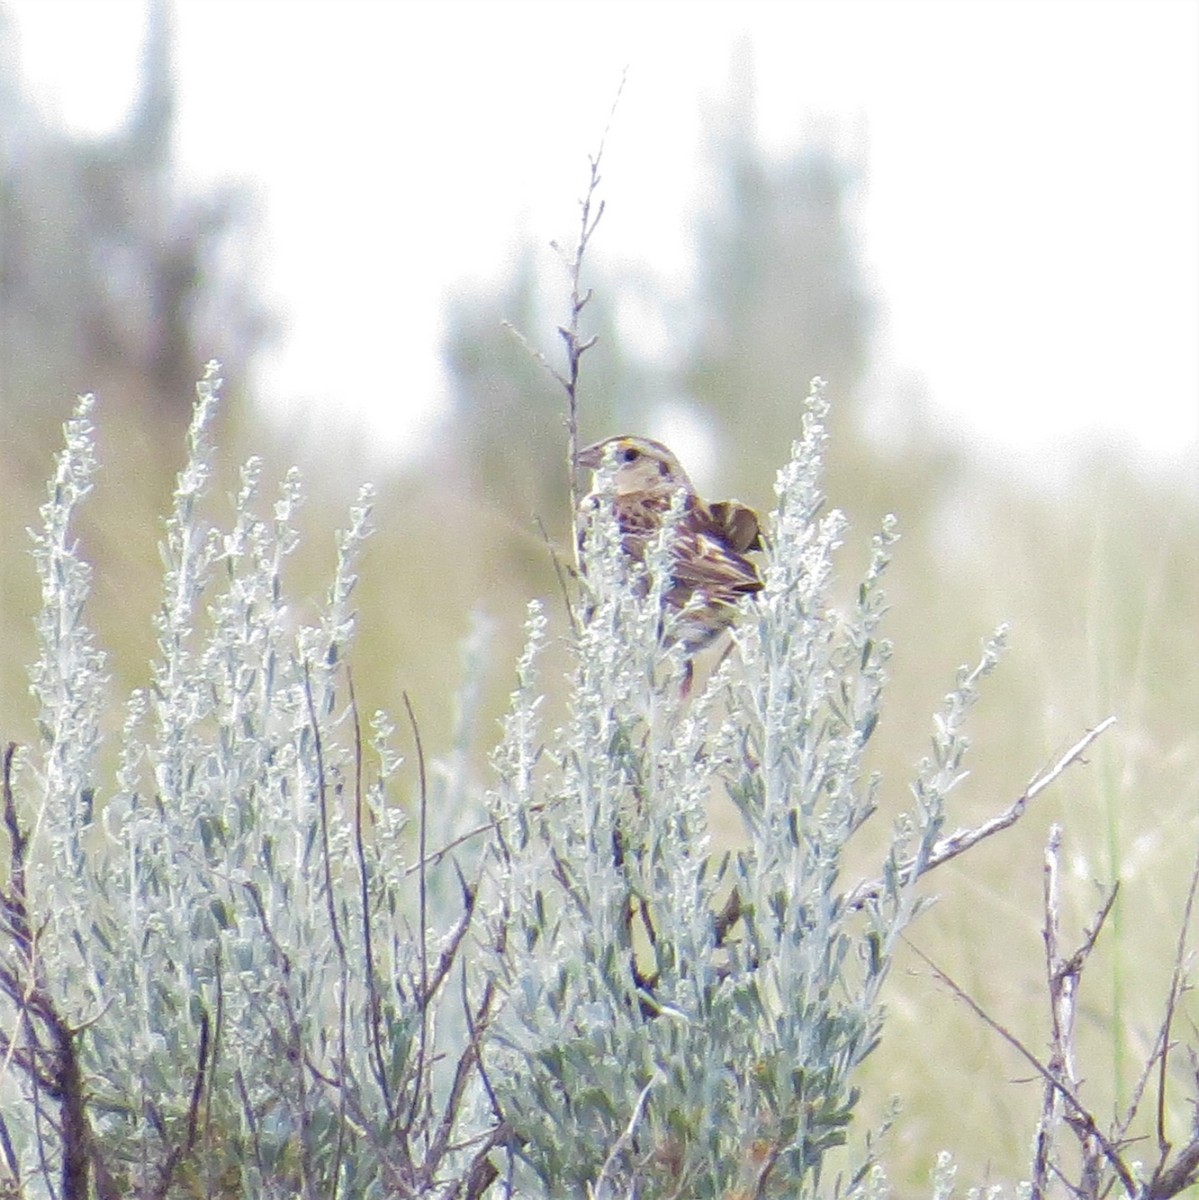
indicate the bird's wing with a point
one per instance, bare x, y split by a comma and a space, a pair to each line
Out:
708, 560
739, 523
708, 554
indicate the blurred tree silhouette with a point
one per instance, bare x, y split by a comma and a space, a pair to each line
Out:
781, 295
110, 274
116, 280
507, 431
506, 428
781, 290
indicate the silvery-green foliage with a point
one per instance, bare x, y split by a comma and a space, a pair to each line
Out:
67, 681
229, 957
874, 1185
682, 1022
240, 968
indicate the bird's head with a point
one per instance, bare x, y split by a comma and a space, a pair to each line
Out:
638, 464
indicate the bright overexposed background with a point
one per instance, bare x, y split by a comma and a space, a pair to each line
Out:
1030, 215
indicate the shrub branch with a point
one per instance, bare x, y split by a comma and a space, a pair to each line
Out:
948, 848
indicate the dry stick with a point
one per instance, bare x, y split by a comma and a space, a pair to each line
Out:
247, 1109
10, 1158
453, 942
343, 961
292, 1039
483, 1172
327, 857
1051, 1104
193, 1108
378, 1065
1178, 1178
218, 1031
179, 1151
16, 921
1176, 985
80, 1154
576, 347
469, 1063
431, 860
624, 1141
1084, 1118
560, 573
1063, 976
1071, 971
438, 1138
423, 907
964, 839
15, 905
434, 857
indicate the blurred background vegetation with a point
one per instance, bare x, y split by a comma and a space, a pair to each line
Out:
114, 280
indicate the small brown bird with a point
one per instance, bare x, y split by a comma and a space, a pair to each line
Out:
709, 572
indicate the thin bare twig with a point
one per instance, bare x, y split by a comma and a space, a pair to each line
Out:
622, 1142
1176, 983
1051, 1103
1063, 975
343, 961
326, 856
1179, 1177
374, 1000
472, 1028
467, 1065
590, 213
15, 900
561, 575
181, 1150
1168, 1181
1077, 1109
433, 858
579, 298
452, 944
423, 911
82, 1168
10, 1158
961, 840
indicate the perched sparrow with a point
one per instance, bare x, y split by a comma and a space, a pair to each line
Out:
709, 572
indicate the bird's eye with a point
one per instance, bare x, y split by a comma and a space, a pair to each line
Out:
630, 454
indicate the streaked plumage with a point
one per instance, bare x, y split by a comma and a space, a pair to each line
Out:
709, 571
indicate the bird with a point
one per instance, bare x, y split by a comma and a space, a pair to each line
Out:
709, 571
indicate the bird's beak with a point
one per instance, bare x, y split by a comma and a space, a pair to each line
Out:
591, 458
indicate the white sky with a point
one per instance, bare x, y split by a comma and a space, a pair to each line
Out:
1031, 225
